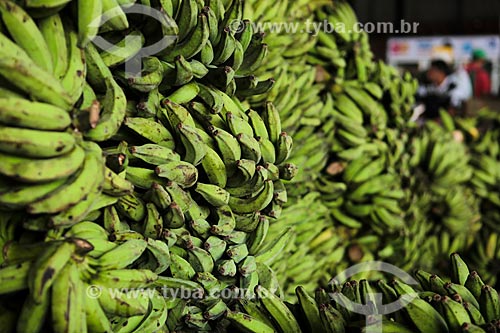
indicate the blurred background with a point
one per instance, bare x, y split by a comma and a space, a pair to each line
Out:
450, 29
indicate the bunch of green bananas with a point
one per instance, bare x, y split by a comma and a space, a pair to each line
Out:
485, 158
316, 242
485, 255
355, 144
79, 281
48, 168
203, 187
441, 171
464, 304
349, 144
189, 175
284, 40
184, 175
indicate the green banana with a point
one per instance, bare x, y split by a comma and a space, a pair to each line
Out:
424, 316
32, 316
124, 278
193, 43
278, 310
73, 79
213, 194
255, 203
272, 121
24, 74
88, 15
183, 173
68, 301
42, 170
47, 267
20, 24
21, 195
113, 17
41, 116
95, 316
489, 303
246, 323
122, 256
114, 106
122, 304
35, 143
214, 168
76, 188
460, 270
228, 147
195, 147
14, 277
454, 313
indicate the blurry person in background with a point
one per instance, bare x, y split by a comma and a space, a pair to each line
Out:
479, 76
446, 52
446, 89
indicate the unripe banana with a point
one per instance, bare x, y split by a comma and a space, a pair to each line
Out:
20, 24
42, 170
35, 143
122, 256
214, 194
46, 268
247, 323
41, 116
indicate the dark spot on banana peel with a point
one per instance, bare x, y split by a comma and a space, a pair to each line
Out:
273, 214
191, 177
82, 245
189, 244
47, 275
5, 249
226, 213
68, 306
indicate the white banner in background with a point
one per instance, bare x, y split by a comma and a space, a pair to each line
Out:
420, 49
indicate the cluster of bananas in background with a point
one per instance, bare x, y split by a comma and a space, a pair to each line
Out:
485, 157
182, 176
350, 120
463, 304
379, 187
